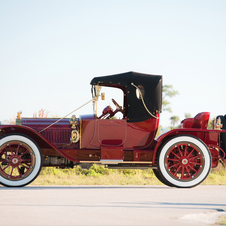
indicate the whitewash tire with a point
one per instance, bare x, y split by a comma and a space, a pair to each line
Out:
33, 171
164, 169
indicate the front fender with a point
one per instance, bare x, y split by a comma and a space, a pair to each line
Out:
37, 137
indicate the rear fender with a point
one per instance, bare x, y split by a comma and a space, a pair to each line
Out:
159, 141
209, 137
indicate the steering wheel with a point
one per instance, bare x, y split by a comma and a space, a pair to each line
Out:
108, 112
117, 105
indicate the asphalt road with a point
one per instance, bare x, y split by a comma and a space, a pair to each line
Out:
111, 205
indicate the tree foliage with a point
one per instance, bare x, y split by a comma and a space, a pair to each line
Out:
41, 114
174, 120
187, 115
167, 91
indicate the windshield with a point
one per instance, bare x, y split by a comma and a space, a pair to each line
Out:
109, 93
95, 95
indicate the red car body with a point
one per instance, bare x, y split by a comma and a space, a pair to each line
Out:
181, 157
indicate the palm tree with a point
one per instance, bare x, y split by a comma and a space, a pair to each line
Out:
167, 91
187, 115
174, 120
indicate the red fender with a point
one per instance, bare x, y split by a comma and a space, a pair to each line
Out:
37, 137
210, 137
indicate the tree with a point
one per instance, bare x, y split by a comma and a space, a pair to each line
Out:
13, 120
167, 91
174, 120
41, 114
187, 115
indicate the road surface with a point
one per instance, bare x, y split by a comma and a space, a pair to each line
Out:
111, 205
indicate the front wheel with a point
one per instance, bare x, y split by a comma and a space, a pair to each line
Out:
184, 161
20, 160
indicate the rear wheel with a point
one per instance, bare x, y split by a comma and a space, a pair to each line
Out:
160, 178
20, 160
184, 161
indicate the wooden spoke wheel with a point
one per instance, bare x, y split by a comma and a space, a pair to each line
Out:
184, 161
20, 160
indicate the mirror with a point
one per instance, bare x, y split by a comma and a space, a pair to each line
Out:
140, 91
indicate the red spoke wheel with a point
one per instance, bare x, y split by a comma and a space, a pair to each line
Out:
184, 161
20, 160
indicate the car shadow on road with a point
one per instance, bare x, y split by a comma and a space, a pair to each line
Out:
191, 205
76, 187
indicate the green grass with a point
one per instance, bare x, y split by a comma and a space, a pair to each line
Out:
222, 221
217, 176
98, 175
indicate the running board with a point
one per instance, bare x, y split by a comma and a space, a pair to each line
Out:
116, 162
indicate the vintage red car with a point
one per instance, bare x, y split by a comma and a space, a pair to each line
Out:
181, 157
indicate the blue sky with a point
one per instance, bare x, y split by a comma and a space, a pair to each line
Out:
51, 50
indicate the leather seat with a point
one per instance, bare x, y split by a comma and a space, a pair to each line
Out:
200, 121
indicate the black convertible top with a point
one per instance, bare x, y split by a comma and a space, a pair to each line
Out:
150, 85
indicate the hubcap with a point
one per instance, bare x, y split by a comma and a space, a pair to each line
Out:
15, 160
185, 161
